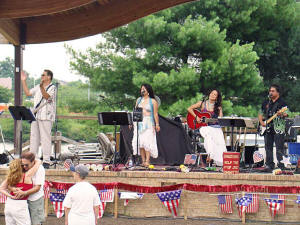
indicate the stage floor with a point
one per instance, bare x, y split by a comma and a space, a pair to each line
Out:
193, 204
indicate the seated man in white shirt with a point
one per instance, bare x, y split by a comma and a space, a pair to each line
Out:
82, 201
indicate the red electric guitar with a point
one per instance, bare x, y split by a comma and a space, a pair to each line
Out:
205, 119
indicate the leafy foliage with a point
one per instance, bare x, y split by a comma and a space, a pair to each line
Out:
177, 57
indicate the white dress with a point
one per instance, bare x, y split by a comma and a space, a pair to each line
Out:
146, 132
214, 143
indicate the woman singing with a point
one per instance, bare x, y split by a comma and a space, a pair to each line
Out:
148, 127
214, 142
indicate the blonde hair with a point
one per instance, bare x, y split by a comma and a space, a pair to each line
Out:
15, 172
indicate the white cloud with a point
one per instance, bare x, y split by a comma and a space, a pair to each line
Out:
53, 56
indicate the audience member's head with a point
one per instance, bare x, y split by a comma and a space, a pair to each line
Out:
15, 172
28, 159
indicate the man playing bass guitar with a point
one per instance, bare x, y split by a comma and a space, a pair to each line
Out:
214, 142
276, 128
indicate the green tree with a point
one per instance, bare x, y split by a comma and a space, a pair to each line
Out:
178, 57
274, 28
5, 95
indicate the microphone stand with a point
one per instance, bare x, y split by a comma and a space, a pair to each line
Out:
195, 138
55, 127
195, 124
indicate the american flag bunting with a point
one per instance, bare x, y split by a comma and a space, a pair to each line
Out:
253, 206
242, 204
171, 200
57, 201
130, 196
225, 203
282, 207
274, 205
46, 191
298, 201
62, 191
101, 209
106, 195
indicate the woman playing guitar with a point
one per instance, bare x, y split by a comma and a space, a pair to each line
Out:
214, 143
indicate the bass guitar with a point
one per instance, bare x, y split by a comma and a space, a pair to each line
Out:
205, 118
262, 129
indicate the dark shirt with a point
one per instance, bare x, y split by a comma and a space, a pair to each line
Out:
269, 108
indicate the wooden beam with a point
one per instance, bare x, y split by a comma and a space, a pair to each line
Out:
18, 98
10, 30
3, 40
29, 8
93, 20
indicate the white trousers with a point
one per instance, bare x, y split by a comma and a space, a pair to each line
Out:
16, 212
41, 134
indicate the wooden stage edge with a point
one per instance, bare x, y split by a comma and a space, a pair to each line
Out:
192, 204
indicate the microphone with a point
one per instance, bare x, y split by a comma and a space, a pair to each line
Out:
269, 95
142, 93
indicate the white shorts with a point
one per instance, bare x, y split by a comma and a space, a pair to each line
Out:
16, 212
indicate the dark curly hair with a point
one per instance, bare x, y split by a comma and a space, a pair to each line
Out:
149, 89
218, 103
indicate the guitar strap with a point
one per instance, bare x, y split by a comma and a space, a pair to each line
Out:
42, 99
273, 110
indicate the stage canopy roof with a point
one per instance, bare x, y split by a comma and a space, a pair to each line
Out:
44, 21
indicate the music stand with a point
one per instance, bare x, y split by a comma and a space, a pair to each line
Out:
20, 113
231, 122
114, 118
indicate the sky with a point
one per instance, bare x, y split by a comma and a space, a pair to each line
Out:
53, 56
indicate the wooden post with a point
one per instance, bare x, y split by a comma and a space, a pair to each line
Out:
116, 203
184, 204
243, 213
57, 143
18, 97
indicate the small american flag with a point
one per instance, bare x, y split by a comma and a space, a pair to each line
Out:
190, 159
242, 204
282, 207
171, 200
253, 206
274, 205
67, 164
106, 195
257, 157
57, 201
225, 203
3, 198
